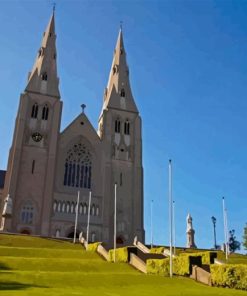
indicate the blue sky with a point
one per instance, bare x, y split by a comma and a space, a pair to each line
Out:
188, 70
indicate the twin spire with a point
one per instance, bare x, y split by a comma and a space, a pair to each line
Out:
43, 77
118, 94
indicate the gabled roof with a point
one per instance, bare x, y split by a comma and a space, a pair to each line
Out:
81, 126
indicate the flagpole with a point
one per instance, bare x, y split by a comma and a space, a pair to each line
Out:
227, 236
225, 227
76, 215
152, 223
170, 213
115, 221
174, 228
88, 214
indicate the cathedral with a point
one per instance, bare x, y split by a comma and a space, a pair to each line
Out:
48, 167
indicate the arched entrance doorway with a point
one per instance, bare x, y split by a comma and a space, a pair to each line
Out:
25, 231
119, 240
71, 234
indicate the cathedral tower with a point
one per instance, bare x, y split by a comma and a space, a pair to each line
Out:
30, 172
120, 132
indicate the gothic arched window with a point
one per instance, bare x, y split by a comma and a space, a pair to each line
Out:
127, 127
117, 126
35, 110
45, 112
78, 167
27, 213
97, 211
122, 93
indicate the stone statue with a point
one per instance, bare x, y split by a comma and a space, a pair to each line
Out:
7, 208
190, 233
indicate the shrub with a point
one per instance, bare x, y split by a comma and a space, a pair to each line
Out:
232, 276
121, 255
181, 264
158, 266
93, 247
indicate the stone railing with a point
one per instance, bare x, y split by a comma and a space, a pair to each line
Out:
141, 246
83, 241
201, 275
103, 252
137, 263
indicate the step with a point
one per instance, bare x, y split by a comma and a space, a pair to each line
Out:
44, 252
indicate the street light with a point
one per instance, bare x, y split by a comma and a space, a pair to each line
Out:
214, 224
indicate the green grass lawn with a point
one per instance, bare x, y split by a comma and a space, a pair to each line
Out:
36, 266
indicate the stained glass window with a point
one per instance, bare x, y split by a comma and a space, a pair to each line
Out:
78, 167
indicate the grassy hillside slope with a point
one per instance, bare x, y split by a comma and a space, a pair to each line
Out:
36, 266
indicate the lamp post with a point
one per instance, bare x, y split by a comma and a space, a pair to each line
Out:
225, 227
214, 224
151, 223
115, 221
76, 215
88, 215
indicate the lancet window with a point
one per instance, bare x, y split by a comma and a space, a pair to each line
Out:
78, 167
127, 127
44, 76
35, 110
117, 126
122, 93
45, 112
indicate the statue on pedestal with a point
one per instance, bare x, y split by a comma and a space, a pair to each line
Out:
190, 233
7, 208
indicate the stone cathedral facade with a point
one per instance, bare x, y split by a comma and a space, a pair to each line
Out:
47, 167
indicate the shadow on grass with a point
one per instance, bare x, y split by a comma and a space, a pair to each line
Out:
4, 266
17, 286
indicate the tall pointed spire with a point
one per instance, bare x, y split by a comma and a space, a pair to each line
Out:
43, 77
118, 92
